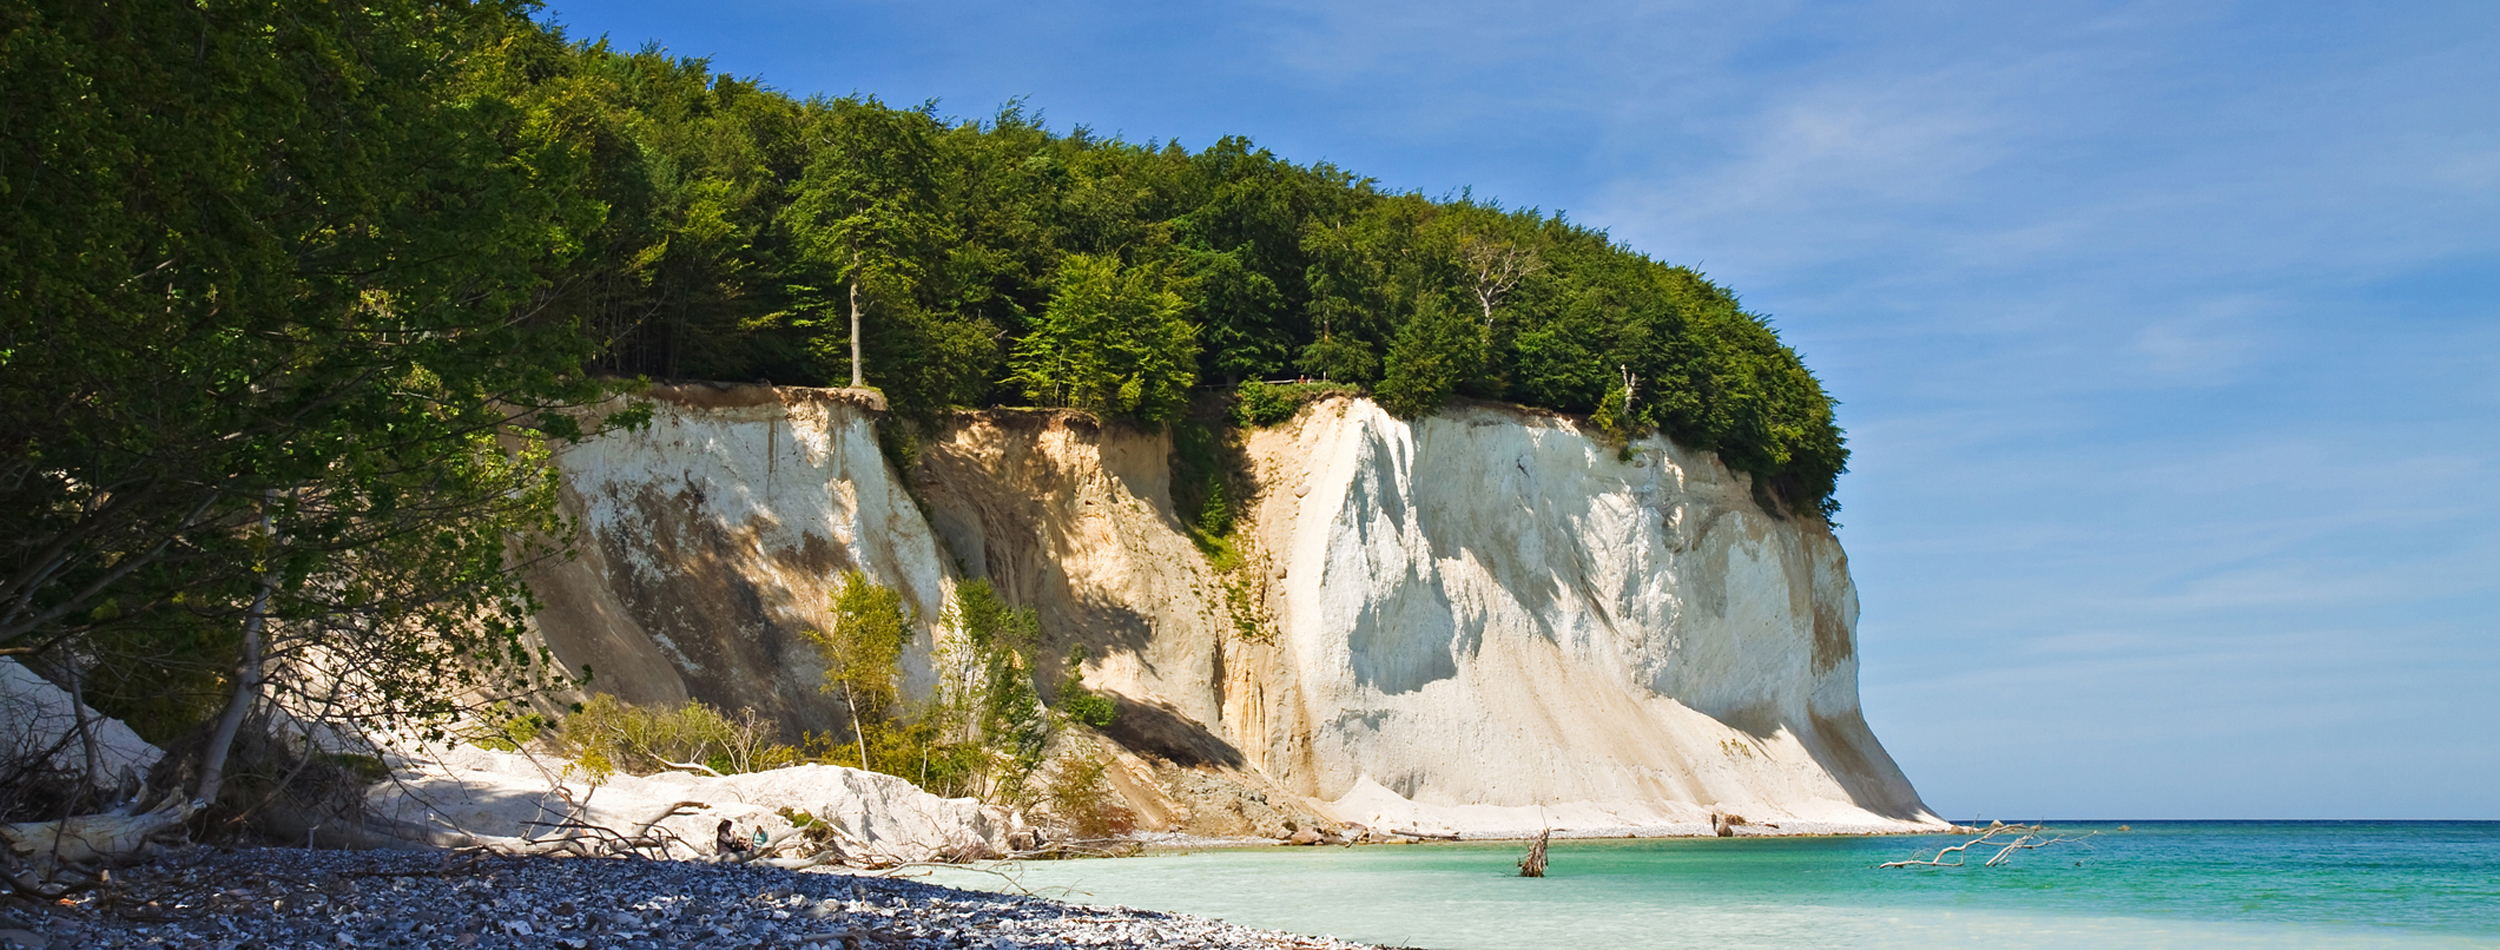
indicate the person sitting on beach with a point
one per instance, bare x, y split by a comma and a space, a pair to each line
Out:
726, 837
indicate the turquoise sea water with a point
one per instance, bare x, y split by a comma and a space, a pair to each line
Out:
2162, 884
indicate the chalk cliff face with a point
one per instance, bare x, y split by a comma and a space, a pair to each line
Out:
1484, 620
714, 538
1489, 608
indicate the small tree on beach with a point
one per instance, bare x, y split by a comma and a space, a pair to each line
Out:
863, 653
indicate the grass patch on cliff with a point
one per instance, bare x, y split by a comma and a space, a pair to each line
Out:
1211, 487
1260, 405
1209, 474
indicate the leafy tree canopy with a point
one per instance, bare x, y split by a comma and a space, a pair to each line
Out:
741, 222
290, 320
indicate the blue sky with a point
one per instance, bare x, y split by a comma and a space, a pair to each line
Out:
2167, 334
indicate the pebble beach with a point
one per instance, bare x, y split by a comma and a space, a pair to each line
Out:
245, 899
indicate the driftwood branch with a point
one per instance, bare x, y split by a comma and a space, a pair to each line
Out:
2006, 839
588, 839
50, 858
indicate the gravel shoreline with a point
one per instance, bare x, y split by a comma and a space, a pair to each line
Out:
246, 899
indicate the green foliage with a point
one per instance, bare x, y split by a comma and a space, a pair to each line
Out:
608, 736
1204, 459
505, 729
863, 656
292, 264
1080, 799
1259, 404
996, 261
1112, 341
1262, 404
1615, 418
1080, 704
1432, 354
983, 730
1215, 515
1340, 358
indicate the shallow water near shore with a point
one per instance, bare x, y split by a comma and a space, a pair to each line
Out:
2161, 884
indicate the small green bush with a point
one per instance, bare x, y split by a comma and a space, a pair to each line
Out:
608, 735
1215, 516
1080, 799
1080, 704
1259, 405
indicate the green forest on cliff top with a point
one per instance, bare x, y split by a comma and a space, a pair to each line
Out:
689, 224
297, 299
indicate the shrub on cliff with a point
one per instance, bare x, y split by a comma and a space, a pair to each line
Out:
981, 730
1259, 404
864, 654
1079, 704
1078, 797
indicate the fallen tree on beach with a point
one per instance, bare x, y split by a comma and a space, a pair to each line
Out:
2006, 839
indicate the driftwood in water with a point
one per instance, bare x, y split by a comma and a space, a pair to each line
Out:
2024, 839
1534, 864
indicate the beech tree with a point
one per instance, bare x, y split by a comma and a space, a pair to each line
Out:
863, 212
279, 359
863, 653
1113, 340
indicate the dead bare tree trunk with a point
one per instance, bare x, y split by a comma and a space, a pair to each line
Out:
86, 723
248, 674
1497, 266
1534, 864
857, 380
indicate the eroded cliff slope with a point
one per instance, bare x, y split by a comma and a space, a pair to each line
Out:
1485, 619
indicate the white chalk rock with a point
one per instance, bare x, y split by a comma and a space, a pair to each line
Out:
510, 797
40, 720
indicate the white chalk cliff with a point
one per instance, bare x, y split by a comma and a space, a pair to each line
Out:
1484, 620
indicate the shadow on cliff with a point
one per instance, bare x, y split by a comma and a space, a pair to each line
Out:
1846, 750
1159, 730
995, 514
735, 646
